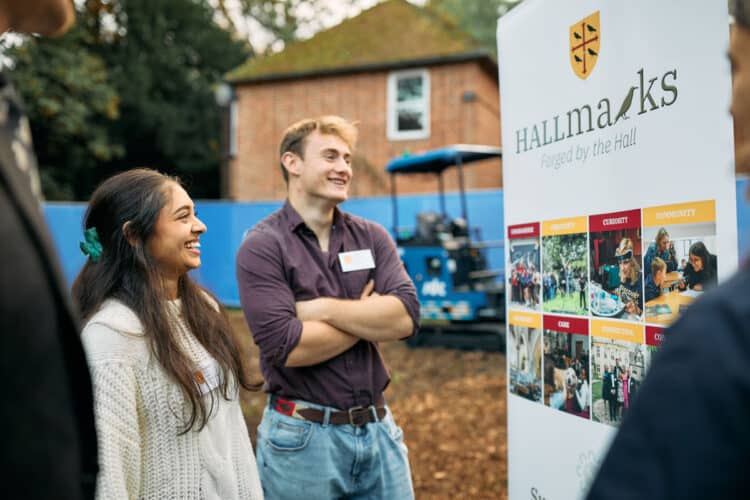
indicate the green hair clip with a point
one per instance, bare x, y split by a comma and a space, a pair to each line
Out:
92, 246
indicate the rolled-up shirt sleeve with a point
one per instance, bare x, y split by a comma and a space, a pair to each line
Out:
267, 299
390, 275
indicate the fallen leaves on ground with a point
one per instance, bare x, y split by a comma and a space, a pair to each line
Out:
451, 407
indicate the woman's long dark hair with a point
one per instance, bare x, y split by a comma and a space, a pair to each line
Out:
124, 210
699, 250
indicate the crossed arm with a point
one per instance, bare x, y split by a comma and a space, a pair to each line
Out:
305, 333
330, 326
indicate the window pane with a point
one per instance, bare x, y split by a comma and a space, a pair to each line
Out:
409, 89
409, 120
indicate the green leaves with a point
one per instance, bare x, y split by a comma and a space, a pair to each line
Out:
129, 85
285, 20
560, 251
477, 18
72, 103
168, 62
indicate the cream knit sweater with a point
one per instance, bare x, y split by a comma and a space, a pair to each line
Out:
139, 413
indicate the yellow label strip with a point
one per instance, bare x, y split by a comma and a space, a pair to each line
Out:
682, 213
617, 330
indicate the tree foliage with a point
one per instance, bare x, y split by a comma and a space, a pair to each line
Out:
283, 20
166, 66
564, 250
477, 18
72, 104
130, 85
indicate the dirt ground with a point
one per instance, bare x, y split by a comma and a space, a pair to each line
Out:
451, 406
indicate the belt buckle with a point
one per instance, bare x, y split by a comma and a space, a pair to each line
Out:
359, 420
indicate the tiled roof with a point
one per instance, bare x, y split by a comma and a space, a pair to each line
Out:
391, 34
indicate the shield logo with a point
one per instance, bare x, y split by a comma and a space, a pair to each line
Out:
585, 38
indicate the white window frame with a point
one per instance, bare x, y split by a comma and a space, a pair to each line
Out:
422, 104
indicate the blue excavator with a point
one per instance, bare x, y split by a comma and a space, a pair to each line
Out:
462, 300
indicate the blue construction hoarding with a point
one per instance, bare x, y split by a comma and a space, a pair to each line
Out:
227, 223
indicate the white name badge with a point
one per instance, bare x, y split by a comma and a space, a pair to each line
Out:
208, 376
356, 260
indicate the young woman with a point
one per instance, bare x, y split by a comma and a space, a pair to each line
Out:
166, 372
662, 248
630, 290
625, 384
700, 271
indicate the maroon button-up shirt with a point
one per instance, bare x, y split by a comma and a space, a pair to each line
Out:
279, 263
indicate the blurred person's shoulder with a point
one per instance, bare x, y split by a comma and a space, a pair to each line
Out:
721, 317
728, 301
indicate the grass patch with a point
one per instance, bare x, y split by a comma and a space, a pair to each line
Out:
568, 304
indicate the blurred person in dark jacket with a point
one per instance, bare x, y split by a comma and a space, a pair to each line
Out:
687, 435
49, 450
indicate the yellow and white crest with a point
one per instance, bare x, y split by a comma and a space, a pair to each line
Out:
585, 38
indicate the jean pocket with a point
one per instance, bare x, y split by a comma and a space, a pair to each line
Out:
289, 436
394, 431
397, 434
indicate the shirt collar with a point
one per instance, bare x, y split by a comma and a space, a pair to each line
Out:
294, 219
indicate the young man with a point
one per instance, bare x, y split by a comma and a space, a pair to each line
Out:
320, 288
49, 448
608, 393
582, 291
687, 435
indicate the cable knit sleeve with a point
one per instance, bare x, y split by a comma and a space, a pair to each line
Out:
118, 430
114, 358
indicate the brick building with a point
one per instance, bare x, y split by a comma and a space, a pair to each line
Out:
410, 77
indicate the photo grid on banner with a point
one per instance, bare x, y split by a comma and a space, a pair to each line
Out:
614, 224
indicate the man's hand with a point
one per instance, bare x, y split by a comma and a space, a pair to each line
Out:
372, 317
368, 290
315, 309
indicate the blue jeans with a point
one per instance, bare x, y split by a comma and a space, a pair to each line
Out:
300, 459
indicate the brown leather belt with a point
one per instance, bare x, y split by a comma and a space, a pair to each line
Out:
357, 416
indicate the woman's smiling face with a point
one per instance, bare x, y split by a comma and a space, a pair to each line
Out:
174, 244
